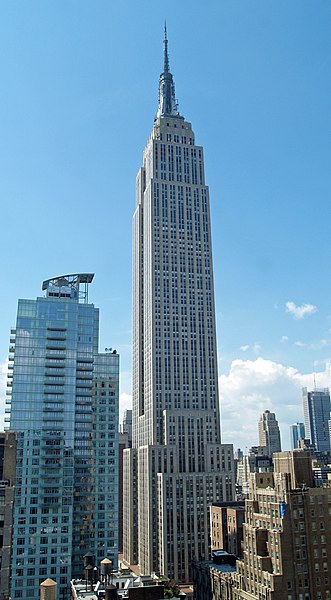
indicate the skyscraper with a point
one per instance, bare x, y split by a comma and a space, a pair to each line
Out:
297, 432
269, 434
316, 410
181, 465
64, 408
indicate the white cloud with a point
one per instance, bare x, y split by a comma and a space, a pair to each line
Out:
284, 339
252, 386
319, 345
255, 348
299, 312
314, 345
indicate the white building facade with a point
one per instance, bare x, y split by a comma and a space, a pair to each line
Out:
181, 466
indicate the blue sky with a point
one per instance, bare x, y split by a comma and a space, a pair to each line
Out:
79, 85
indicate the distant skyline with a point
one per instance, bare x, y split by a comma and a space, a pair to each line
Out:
78, 99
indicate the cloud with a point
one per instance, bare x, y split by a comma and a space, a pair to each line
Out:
255, 348
253, 386
314, 345
284, 339
319, 345
299, 312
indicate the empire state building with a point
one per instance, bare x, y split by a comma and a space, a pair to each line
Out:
177, 465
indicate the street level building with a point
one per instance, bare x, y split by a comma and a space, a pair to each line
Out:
64, 408
181, 466
213, 579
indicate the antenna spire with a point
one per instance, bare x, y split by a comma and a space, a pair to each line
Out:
165, 46
167, 100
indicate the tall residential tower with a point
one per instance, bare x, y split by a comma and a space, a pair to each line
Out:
64, 408
177, 465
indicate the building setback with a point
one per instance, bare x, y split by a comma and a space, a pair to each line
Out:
181, 466
64, 408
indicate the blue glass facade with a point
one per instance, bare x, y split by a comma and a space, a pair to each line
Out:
65, 410
316, 410
297, 432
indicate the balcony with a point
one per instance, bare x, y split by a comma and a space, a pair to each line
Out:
55, 346
54, 378
83, 383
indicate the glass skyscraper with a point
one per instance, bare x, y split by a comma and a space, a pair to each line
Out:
64, 408
177, 465
297, 432
316, 410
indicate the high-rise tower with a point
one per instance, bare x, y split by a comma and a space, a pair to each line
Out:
297, 432
269, 434
181, 466
316, 410
64, 408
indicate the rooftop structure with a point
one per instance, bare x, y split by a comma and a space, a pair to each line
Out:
68, 286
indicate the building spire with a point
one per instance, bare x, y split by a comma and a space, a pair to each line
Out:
165, 46
167, 99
